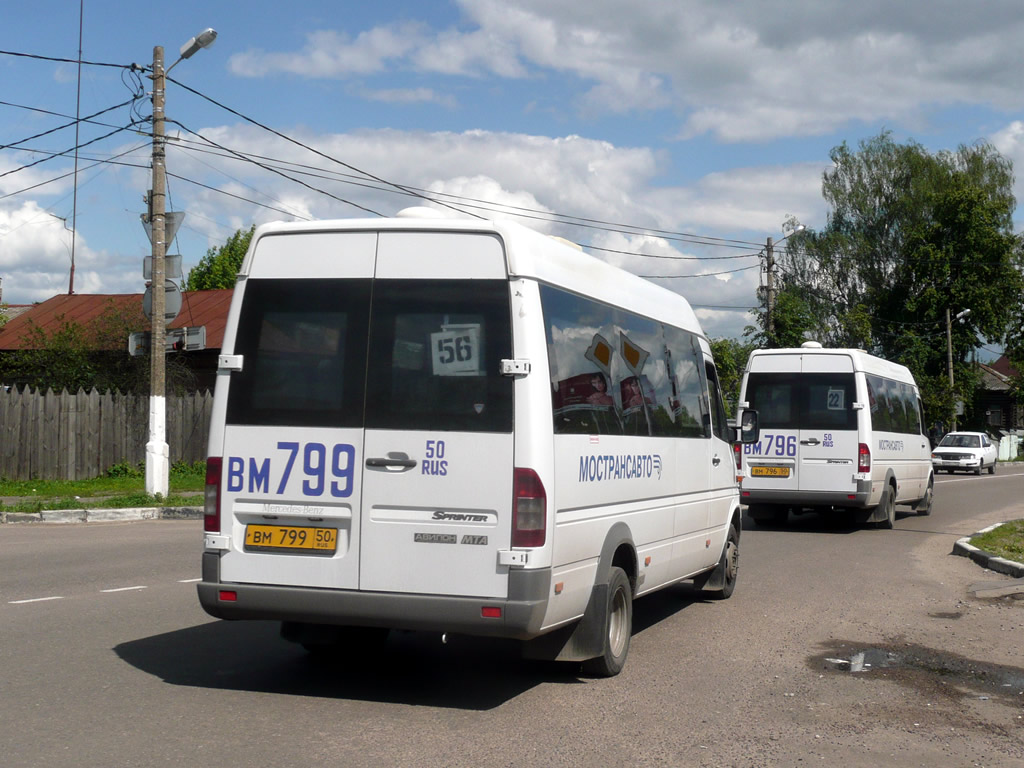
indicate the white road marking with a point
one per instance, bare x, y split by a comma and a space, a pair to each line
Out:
952, 479
122, 589
188, 581
34, 600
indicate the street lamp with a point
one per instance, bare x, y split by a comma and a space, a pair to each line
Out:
770, 281
157, 461
949, 353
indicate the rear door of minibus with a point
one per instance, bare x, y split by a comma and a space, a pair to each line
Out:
773, 390
827, 440
293, 436
438, 467
368, 439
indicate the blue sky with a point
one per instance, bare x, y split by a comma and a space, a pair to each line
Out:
712, 120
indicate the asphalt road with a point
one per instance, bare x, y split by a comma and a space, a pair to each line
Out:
107, 660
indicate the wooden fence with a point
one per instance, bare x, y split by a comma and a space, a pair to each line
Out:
65, 436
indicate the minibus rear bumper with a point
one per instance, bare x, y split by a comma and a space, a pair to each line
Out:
521, 613
854, 499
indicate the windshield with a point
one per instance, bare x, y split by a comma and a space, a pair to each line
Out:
961, 441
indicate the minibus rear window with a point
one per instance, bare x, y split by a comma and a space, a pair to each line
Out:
425, 356
435, 354
804, 400
303, 346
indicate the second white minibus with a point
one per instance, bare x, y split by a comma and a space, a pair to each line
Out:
842, 431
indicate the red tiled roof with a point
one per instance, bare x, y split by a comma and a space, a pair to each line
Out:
1002, 365
209, 308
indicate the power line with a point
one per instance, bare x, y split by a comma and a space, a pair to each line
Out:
279, 173
112, 160
549, 216
705, 274
311, 149
51, 156
238, 197
69, 61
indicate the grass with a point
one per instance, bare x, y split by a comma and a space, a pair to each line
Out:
1006, 541
122, 486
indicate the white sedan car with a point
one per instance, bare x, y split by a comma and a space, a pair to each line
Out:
969, 451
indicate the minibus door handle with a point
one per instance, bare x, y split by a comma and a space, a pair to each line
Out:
810, 441
716, 461
393, 461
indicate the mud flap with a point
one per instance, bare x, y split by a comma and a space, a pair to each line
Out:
576, 642
715, 580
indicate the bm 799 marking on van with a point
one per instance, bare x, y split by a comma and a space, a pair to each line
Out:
315, 466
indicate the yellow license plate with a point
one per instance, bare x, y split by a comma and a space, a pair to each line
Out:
769, 471
291, 538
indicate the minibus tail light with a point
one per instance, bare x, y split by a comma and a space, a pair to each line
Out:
529, 509
738, 453
863, 458
211, 496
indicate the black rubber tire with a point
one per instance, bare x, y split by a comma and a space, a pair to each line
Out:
992, 467
977, 469
888, 504
618, 625
730, 565
924, 507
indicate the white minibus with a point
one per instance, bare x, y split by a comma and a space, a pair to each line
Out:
842, 431
461, 426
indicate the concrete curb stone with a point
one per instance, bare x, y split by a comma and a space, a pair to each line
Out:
964, 548
103, 515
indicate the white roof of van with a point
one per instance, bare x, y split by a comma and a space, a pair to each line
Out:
529, 254
862, 361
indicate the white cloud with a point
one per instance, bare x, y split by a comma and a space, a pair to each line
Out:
569, 175
329, 53
741, 71
409, 96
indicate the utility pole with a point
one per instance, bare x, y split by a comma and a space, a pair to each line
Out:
769, 314
157, 461
949, 353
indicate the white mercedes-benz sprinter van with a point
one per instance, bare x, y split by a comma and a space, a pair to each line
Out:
841, 430
464, 427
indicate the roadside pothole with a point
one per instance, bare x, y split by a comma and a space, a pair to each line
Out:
927, 670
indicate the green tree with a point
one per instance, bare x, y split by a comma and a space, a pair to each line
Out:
730, 360
219, 267
909, 236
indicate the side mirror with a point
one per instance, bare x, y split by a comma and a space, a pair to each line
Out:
748, 431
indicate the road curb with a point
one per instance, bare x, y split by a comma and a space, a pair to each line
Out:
103, 515
964, 548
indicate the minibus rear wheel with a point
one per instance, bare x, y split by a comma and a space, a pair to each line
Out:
618, 622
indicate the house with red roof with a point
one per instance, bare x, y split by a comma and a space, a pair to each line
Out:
198, 308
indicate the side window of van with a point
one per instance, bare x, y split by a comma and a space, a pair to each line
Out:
911, 408
615, 372
897, 408
879, 403
434, 352
718, 418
